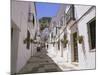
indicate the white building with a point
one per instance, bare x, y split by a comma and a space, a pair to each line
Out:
86, 28
77, 22
23, 28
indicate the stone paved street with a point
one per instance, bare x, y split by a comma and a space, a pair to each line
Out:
39, 64
61, 39
42, 62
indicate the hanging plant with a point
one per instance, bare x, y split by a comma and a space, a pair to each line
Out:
80, 39
31, 40
25, 41
28, 40
64, 42
33, 20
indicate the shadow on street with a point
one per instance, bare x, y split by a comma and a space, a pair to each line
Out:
40, 63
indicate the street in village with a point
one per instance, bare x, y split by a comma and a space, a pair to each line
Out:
44, 62
52, 37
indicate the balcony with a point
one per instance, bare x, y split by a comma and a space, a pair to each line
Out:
70, 15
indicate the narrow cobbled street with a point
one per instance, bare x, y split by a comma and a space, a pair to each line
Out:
40, 63
61, 39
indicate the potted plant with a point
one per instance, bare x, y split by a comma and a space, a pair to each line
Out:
64, 41
80, 39
31, 40
28, 40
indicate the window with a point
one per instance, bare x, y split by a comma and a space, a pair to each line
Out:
92, 33
11, 33
33, 20
28, 40
73, 12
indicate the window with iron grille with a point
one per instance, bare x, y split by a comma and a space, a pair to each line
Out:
92, 33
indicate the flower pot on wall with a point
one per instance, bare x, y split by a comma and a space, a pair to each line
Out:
31, 40
80, 39
64, 42
28, 40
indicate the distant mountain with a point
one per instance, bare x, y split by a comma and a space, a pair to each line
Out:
44, 22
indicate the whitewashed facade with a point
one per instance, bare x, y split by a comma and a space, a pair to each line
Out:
74, 24
23, 15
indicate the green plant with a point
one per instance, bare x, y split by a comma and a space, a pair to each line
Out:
31, 40
28, 40
64, 42
80, 39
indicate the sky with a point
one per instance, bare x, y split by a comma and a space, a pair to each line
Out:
46, 9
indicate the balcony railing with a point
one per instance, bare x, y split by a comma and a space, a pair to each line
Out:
70, 14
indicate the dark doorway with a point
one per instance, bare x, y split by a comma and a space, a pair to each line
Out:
38, 49
75, 48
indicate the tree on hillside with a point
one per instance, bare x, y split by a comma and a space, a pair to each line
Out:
44, 22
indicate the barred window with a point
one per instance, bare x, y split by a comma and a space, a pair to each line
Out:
92, 33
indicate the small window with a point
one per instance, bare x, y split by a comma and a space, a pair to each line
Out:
73, 12
33, 20
28, 40
92, 33
11, 33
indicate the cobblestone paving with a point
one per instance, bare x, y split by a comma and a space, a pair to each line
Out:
39, 64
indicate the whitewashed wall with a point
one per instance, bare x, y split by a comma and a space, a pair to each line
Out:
20, 18
80, 10
87, 62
